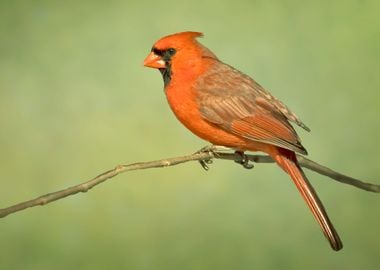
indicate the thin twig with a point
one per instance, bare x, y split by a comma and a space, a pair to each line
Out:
199, 156
318, 168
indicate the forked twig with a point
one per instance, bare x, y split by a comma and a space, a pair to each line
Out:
199, 156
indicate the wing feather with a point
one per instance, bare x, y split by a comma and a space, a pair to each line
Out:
238, 104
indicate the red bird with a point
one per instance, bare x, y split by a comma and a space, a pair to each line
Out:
226, 107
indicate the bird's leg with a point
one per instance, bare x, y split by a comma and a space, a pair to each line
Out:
243, 160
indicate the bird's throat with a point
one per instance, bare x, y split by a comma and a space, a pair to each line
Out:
166, 74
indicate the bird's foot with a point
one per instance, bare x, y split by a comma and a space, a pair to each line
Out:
210, 149
243, 160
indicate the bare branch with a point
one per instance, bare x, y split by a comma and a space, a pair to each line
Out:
199, 156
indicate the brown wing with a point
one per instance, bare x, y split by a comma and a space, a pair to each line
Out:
238, 104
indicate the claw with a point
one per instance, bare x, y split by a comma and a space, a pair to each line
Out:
205, 163
207, 149
243, 160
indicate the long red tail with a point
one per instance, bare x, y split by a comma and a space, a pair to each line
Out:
288, 162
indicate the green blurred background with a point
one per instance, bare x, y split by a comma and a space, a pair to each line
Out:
75, 100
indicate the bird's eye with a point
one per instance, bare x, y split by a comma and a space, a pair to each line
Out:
171, 51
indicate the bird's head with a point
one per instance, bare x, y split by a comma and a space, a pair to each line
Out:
180, 50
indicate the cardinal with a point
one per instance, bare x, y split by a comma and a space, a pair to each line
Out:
225, 107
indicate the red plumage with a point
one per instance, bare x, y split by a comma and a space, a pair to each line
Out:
226, 107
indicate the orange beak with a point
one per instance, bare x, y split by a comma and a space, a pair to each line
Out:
154, 61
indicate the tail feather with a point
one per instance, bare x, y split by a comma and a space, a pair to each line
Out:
288, 162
